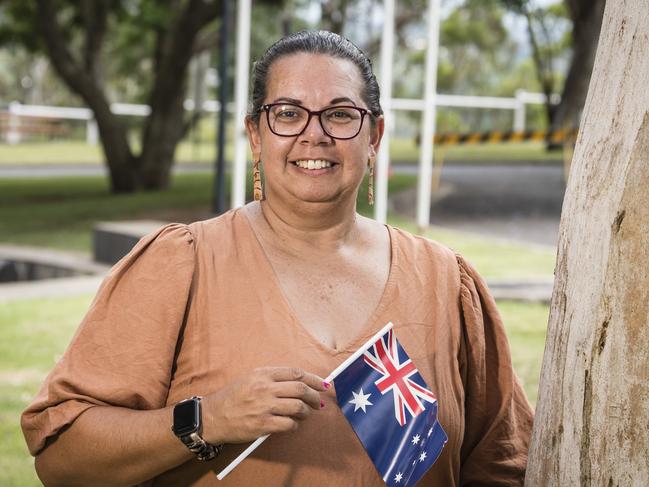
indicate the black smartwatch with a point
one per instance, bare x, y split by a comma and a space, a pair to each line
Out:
188, 427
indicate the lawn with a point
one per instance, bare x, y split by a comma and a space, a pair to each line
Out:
402, 150
34, 333
61, 212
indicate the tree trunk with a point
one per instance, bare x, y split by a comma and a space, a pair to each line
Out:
167, 125
592, 420
587, 22
83, 79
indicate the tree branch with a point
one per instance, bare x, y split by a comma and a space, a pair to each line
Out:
95, 15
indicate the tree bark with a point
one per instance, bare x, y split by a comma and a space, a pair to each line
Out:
592, 420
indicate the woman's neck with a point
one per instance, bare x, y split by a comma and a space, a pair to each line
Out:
310, 226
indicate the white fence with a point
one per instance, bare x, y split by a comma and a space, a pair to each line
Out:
16, 111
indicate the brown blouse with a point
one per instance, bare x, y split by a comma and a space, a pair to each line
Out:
194, 307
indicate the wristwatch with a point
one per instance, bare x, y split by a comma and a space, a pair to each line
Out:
188, 426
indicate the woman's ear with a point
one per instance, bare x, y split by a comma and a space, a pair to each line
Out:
376, 135
254, 138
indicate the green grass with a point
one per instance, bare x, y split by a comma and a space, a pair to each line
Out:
34, 333
526, 325
60, 213
493, 258
402, 150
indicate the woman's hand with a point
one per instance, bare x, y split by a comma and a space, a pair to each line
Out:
269, 400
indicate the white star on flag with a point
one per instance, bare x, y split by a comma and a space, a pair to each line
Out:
415, 440
360, 400
422, 457
398, 477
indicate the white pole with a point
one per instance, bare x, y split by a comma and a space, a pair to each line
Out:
92, 132
238, 192
519, 111
13, 134
428, 125
383, 160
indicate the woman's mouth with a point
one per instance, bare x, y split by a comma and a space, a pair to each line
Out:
312, 164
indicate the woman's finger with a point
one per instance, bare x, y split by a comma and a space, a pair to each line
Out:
295, 408
281, 374
297, 390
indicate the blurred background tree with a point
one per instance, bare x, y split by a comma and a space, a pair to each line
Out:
92, 53
548, 41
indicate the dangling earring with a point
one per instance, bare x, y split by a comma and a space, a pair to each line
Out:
258, 189
370, 183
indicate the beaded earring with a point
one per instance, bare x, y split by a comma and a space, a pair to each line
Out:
370, 183
258, 189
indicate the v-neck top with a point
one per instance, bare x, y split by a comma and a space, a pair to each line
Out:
193, 308
370, 322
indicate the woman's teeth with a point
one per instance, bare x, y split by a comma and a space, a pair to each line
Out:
313, 164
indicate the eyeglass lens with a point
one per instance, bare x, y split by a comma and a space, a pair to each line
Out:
338, 122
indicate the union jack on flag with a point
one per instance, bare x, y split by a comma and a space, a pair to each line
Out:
391, 410
395, 377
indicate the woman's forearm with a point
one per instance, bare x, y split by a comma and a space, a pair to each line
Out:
112, 446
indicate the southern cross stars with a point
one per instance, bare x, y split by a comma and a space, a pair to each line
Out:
360, 400
398, 477
415, 439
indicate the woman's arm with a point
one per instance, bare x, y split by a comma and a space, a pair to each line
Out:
118, 446
112, 446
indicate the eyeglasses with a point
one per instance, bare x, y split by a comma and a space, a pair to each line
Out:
339, 122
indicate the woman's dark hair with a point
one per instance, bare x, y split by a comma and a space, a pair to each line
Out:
314, 42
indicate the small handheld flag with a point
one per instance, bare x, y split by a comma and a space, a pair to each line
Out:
381, 370
391, 410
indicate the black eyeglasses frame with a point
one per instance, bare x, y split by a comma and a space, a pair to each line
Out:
363, 111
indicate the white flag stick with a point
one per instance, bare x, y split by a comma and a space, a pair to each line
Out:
358, 352
242, 456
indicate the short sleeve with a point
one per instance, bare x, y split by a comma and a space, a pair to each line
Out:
498, 414
123, 352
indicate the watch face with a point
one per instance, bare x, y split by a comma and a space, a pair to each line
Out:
186, 417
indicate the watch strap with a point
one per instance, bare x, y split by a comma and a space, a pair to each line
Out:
201, 448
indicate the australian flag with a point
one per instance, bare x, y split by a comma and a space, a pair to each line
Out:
393, 413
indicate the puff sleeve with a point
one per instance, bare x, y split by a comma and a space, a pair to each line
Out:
123, 352
498, 414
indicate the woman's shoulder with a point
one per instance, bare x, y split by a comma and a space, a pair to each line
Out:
218, 227
420, 249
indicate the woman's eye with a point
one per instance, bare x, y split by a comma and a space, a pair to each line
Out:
339, 115
287, 114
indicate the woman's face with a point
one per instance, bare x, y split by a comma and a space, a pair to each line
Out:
314, 81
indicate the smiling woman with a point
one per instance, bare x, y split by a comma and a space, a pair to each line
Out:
210, 335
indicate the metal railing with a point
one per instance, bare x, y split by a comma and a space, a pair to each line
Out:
16, 111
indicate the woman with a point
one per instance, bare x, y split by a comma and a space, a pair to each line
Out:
251, 309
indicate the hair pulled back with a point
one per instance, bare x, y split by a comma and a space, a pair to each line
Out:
314, 42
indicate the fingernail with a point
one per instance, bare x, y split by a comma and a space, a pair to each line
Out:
321, 404
326, 384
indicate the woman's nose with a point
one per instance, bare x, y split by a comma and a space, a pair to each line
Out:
313, 132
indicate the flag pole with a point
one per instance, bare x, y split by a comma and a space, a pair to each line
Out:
361, 350
358, 352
